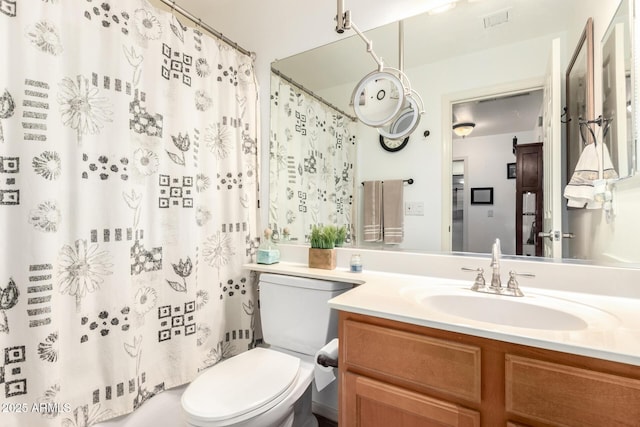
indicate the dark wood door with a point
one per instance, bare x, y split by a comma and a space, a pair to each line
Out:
529, 197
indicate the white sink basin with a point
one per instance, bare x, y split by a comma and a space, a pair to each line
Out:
533, 311
505, 312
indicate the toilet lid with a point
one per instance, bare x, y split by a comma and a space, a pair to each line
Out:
241, 384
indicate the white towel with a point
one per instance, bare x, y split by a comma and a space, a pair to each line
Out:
392, 214
579, 191
372, 211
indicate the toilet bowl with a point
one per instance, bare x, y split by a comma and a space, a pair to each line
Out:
270, 387
256, 388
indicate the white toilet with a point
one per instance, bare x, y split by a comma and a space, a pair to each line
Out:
270, 387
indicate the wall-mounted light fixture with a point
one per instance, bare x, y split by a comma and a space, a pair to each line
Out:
383, 98
463, 129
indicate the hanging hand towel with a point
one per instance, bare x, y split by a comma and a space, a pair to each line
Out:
372, 211
579, 190
392, 213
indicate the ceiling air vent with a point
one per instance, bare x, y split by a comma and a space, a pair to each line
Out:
496, 18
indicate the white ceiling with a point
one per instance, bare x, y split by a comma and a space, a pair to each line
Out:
428, 38
500, 115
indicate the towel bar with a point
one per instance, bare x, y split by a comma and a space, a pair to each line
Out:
408, 181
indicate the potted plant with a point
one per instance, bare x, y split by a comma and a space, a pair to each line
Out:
322, 253
341, 236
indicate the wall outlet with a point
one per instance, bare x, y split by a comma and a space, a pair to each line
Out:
414, 208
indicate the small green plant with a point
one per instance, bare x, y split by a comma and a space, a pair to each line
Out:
323, 237
341, 235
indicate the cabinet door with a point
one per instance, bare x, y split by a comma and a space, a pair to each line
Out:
557, 394
413, 360
373, 403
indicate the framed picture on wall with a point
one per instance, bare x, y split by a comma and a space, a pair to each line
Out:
511, 171
482, 196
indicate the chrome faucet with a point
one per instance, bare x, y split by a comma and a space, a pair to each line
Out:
512, 288
496, 283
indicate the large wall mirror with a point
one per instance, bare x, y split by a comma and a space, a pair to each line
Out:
476, 52
617, 96
579, 96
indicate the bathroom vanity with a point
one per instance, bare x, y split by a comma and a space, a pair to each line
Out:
392, 371
420, 350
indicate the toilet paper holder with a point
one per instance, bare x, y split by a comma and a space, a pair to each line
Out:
326, 361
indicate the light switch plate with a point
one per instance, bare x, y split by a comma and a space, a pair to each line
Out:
414, 208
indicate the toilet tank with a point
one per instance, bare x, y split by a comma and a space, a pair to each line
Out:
294, 311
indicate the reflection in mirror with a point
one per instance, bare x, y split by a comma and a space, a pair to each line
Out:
378, 98
529, 225
579, 96
490, 155
405, 122
458, 207
472, 58
616, 91
311, 175
380, 95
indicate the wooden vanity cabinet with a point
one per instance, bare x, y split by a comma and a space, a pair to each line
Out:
394, 374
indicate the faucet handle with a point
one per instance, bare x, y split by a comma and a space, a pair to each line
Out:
512, 284
479, 282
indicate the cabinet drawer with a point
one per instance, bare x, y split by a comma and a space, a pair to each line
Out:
564, 395
440, 365
376, 404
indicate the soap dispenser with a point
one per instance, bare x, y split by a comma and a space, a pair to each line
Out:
268, 252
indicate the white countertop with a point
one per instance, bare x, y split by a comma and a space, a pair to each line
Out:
612, 330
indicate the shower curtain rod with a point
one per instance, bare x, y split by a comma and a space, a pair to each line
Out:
318, 97
172, 4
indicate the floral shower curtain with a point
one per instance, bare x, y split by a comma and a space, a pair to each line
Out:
312, 154
128, 204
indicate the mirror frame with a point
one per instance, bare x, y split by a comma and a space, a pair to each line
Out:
573, 142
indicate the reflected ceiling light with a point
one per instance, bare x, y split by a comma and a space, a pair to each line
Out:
463, 129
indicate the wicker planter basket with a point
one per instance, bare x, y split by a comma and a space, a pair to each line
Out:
322, 258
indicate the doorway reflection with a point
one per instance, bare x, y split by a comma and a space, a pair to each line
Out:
457, 226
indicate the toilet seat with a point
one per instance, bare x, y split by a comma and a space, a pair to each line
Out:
254, 382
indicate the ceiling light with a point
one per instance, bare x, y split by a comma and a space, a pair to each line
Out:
463, 129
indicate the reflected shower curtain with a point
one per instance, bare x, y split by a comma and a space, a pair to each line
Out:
128, 203
312, 154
